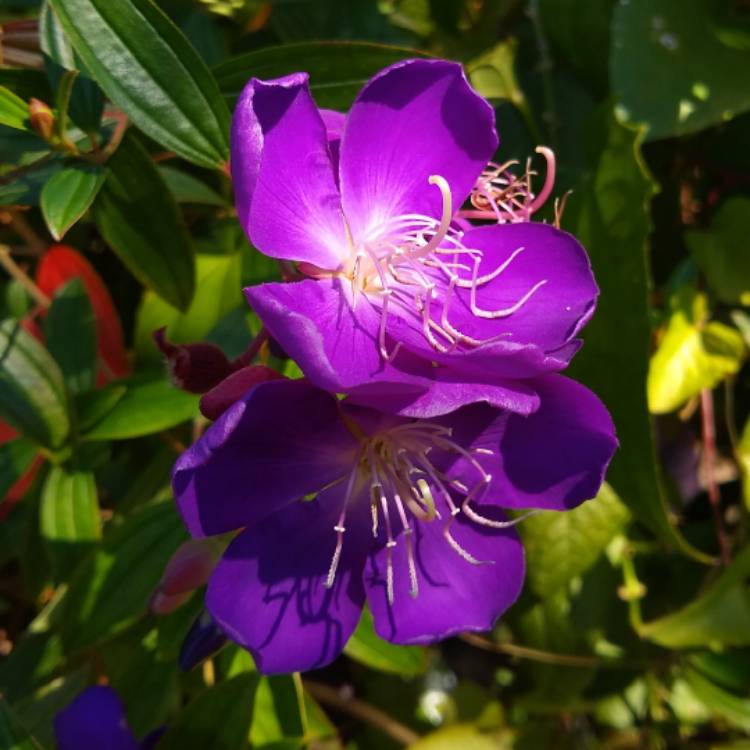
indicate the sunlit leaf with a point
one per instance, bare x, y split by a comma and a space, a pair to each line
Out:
67, 195
69, 517
147, 67
671, 69
146, 407
692, 355
14, 112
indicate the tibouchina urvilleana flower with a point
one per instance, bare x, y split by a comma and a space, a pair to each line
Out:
395, 287
95, 720
340, 504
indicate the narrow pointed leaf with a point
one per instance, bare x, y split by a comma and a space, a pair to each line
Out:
140, 219
69, 518
67, 195
13, 736
145, 408
147, 67
32, 389
14, 112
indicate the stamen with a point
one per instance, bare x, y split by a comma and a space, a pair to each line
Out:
340, 529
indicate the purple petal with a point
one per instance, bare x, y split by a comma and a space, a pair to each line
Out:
454, 594
334, 122
337, 348
553, 459
415, 119
282, 440
335, 344
269, 593
95, 720
286, 194
554, 313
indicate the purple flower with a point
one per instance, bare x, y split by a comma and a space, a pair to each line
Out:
342, 504
398, 289
96, 720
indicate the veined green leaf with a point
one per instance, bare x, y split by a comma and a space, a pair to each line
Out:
70, 331
147, 67
337, 69
145, 408
608, 212
32, 390
110, 589
69, 517
14, 112
189, 189
692, 355
67, 195
672, 70
718, 617
561, 546
140, 219
366, 647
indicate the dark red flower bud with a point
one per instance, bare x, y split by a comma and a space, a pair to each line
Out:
221, 397
196, 368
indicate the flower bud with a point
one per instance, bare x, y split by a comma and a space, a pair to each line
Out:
189, 567
202, 641
221, 397
196, 368
42, 118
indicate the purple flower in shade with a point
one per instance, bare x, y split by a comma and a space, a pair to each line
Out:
399, 292
96, 720
342, 504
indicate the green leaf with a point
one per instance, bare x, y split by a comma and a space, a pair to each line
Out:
609, 214
337, 69
12, 735
86, 101
693, 355
718, 617
189, 189
70, 332
110, 589
16, 457
492, 74
67, 195
14, 112
276, 713
562, 546
670, 68
366, 647
463, 736
218, 292
146, 407
32, 390
147, 67
196, 726
26, 189
141, 221
69, 519
733, 708
93, 406
743, 459
721, 251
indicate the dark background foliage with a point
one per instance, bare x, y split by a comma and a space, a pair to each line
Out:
634, 627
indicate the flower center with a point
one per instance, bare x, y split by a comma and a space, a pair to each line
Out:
395, 470
416, 263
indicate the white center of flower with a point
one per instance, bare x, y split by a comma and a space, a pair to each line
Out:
416, 263
395, 469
